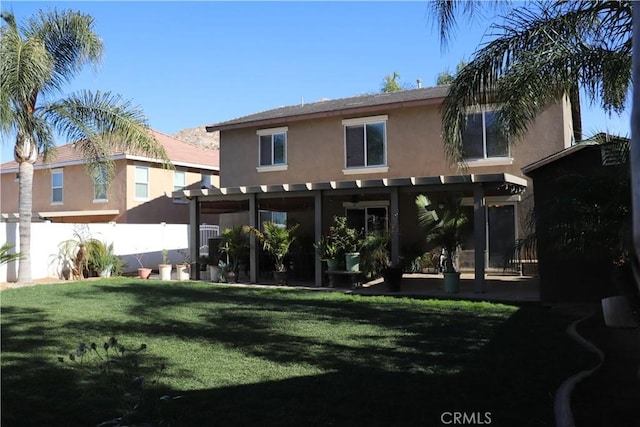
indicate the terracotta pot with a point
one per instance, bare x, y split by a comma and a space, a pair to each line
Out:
144, 273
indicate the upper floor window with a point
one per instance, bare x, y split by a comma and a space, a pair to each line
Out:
142, 182
481, 138
100, 184
179, 184
365, 142
57, 183
273, 147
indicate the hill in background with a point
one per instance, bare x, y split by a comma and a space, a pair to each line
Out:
199, 136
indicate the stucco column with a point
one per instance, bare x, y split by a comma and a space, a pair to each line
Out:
395, 227
317, 209
194, 238
480, 237
253, 251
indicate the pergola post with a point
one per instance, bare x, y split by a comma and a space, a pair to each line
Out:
253, 251
317, 209
480, 238
395, 226
194, 238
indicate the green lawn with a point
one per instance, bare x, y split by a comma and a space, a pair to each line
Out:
272, 357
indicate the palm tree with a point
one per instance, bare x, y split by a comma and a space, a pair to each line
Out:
442, 221
540, 53
37, 59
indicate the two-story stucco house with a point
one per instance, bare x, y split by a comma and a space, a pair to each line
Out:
368, 157
140, 191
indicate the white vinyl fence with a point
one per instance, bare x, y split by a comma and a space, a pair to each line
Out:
145, 240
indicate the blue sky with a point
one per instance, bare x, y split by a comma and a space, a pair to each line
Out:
194, 63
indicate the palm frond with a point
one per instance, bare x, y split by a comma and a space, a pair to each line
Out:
101, 123
541, 54
445, 14
25, 68
69, 38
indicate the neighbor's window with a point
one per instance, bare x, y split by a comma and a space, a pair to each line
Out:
273, 146
365, 142
100, 184
179, 184
142, 182
205, 180
481, 139
57, 179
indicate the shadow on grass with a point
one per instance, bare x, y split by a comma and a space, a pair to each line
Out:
426, 361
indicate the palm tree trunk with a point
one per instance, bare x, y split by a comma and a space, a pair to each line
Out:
25, 203
26, 154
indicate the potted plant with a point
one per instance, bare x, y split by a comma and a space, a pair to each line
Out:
276, 240
442, 222
143, 272
347, 242
235, 244
329, 251
165, 267
376, 260
183, 268
102, 260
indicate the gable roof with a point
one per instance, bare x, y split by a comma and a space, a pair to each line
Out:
334, 107
179, 152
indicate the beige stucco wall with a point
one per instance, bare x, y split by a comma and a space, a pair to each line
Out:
77, 191
160, 206
315, 148
78, 195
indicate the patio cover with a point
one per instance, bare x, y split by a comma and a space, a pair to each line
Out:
242, 198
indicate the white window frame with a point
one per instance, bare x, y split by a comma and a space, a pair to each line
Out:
485, 160
271, 132
179, 187
136, 182
59, 171
363, 121
96, 199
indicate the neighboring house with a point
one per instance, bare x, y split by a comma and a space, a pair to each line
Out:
368, 157
587, 177
140, 191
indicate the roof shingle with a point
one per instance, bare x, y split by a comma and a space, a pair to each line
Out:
335, 106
